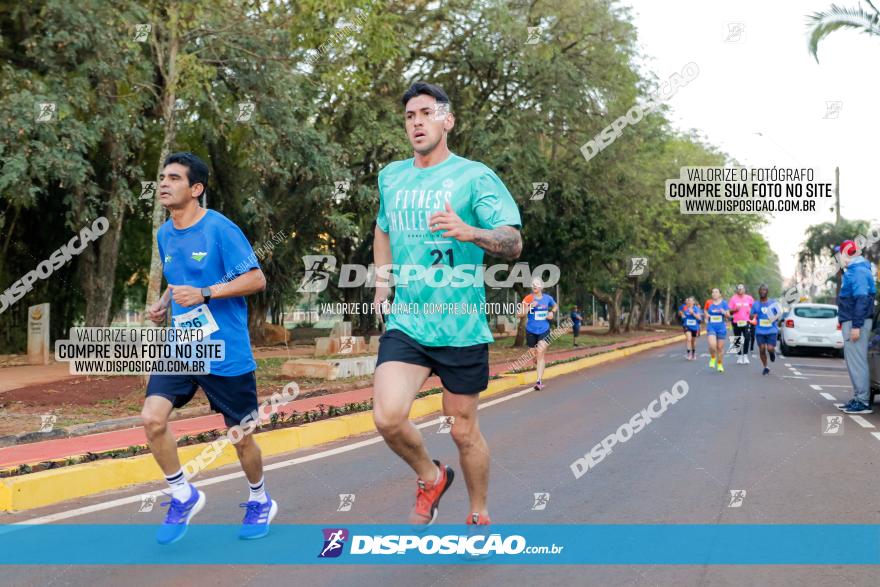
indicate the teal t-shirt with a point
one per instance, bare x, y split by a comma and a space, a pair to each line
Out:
445, 307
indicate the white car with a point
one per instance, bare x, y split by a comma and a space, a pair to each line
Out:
812, 326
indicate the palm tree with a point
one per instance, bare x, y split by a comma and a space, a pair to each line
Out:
822, 24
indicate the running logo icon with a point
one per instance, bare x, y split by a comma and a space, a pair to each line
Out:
534, 35
736, 343
142, 32
341, 192
147, 503
832, 425
735, 32
541, 501
441, 111
47, 422
539, 190
334, 541
46, 111
346, 501
832, 109
637, 266
446, 425
199, 255
318, 268
148, 190
737, 496
245, 111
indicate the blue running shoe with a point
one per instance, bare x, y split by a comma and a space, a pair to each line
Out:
178, 517
846, 406
858, 408
257, 518
766, 371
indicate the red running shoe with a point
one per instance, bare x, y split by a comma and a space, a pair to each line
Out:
428, 495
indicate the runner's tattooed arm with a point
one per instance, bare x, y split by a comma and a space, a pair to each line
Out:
504, 241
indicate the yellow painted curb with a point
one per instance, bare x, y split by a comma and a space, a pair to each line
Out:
36, 490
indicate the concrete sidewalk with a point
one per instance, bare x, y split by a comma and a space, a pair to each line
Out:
66, 447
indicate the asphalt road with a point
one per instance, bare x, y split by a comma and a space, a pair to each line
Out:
732, 431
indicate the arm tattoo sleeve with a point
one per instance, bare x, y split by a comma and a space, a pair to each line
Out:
504, 242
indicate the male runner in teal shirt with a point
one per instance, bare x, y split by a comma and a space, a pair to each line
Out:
438, 213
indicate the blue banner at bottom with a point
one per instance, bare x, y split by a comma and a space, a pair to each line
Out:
608, 544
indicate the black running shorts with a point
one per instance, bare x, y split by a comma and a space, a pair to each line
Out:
463, 370
235, 397
533, 339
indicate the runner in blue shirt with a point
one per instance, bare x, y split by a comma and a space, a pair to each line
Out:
576, 319
210, 267
540, 308
766, 312
717, 314
691, 316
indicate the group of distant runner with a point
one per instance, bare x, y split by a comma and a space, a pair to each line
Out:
754, 324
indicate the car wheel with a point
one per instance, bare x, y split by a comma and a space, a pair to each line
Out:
786, 350
838, 353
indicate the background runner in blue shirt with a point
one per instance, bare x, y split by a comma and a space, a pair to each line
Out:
691, 316
717, 314
767, 313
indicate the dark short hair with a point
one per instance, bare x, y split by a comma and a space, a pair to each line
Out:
427, 89
196, 169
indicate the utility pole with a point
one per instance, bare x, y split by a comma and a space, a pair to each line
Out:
837, 196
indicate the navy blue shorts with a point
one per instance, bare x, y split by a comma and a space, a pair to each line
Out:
533, 339
463, 369
769, 339
235, 397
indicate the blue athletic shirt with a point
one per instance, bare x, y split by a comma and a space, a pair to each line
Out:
537, 322
211, 251
691, 321
715, 314
768, 313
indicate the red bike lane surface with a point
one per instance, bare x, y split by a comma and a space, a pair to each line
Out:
66, 447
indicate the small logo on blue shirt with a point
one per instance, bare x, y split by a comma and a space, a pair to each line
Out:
198, 256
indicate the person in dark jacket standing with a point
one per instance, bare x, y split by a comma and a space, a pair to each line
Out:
855, 310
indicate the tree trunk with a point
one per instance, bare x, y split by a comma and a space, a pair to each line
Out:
97, 271
650, 299
667, 306
98, 267
169, 98
613, 303
520, 340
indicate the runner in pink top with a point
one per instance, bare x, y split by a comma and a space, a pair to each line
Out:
740, 306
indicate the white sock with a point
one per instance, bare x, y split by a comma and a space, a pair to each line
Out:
181, 490
258, 491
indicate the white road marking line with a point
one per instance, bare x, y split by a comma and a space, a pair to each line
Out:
844, 386
791, 377
816, 387
876, 435
828, 396
796, 372
861, 421
788, 364
842, 376
228, 477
